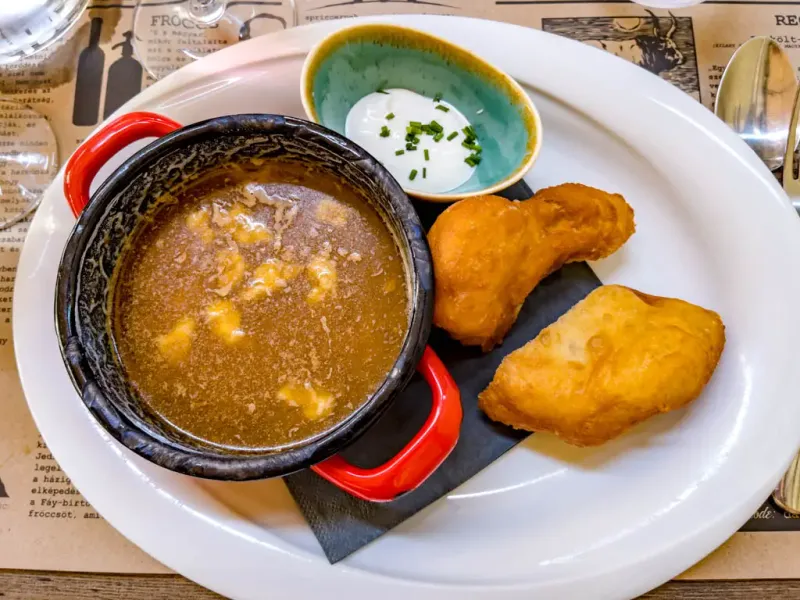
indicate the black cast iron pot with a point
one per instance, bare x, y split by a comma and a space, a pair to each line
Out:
107, 220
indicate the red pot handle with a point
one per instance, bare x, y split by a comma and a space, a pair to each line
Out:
420, 457
92, 154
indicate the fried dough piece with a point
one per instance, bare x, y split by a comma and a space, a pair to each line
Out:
489, 253
615, 359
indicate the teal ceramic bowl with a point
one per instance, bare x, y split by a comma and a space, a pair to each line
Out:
358, 60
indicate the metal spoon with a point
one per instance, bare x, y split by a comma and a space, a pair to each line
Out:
787, 494
756, 97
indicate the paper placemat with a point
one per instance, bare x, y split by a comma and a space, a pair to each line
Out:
44, 522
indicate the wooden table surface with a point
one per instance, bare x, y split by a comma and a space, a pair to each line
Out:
37, 585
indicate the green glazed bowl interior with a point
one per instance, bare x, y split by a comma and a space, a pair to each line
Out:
359, 60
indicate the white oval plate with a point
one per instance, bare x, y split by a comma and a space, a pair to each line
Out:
713, 228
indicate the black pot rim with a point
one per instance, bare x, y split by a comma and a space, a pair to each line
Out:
141, 439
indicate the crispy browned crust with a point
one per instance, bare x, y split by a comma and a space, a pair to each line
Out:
489, 253
616, 358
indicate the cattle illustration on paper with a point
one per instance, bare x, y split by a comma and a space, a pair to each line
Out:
664, 45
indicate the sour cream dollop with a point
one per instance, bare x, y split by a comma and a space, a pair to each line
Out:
445, 168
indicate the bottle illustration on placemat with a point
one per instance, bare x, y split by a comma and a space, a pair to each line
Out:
89, 80
124, 77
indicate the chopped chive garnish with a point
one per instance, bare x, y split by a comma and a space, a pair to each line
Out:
424, 173
436, 127
471, 146
473, 160
452, 136
412, 137
469, 131
399, 152
412, 175
442, 108
438, 136
385, 131
427, 129
410, 147
415, 124
427, 156
382, 91
437, 97
390, 116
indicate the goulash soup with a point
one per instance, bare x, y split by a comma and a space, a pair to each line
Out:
260, 307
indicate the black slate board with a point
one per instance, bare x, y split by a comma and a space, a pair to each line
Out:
342, 523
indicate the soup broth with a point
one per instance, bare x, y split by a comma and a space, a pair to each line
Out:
260, 307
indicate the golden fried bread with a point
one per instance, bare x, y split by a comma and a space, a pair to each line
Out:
478, 247
616, 358
489, 253
581, 222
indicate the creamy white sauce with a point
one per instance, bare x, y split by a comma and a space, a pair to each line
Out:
446, 169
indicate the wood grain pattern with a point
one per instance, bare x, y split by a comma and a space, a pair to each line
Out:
30, 585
